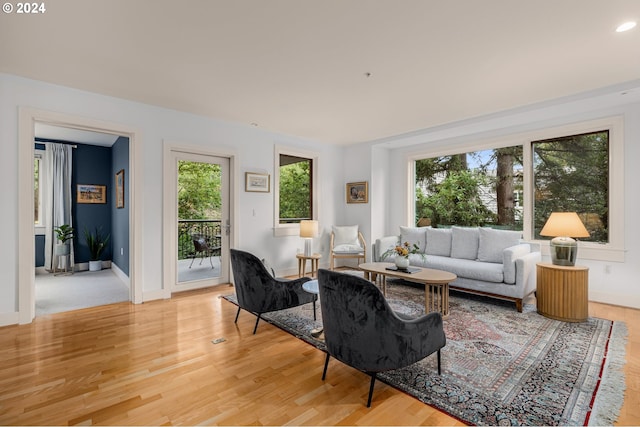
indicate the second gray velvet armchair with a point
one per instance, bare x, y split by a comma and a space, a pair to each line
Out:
362, 331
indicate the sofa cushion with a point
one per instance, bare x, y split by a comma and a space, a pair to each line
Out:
470, 269
345, 235
493, 242
464, 242
414, 235
438, 241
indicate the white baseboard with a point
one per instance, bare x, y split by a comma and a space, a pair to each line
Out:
121, 275
155, 295
7, 319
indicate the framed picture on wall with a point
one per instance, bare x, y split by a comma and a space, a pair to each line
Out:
90, 193
257, 182
358, 192
120, 189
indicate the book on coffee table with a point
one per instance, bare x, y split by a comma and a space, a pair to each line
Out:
403, 270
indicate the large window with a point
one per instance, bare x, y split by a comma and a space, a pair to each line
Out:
573, 168
295, 189
480, 188
571, 174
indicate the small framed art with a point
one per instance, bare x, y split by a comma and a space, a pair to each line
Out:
120, 189
89, 193
358, 192
257, 182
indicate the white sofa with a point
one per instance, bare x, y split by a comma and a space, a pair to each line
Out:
487, 261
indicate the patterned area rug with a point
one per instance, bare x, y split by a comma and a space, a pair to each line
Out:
501, 367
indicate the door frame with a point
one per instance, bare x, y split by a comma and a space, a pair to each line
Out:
27, 118
169, 210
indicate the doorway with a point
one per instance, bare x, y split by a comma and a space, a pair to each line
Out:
28, 118
197, 214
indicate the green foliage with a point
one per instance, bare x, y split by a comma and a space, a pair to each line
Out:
572, 175
97, 242
199, 190
455, 201
64, 233
295, 191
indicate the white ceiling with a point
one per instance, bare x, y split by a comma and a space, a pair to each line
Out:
302, 67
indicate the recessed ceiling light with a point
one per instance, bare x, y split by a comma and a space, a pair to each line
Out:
626, 26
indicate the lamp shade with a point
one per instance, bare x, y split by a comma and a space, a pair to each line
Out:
564, 224
308, 228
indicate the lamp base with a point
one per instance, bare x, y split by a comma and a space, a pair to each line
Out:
564, 251
307, 247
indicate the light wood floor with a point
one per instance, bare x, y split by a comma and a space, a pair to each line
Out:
155, 364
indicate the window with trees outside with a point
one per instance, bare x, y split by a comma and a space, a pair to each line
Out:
490, 187
37, 192
480, 188
295, 185
296, 189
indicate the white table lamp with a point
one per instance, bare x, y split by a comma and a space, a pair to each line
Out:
308, 230
562, 226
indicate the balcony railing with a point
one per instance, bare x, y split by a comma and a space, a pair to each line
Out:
196, 229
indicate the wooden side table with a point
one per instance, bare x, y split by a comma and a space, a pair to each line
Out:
302, 263
563, 292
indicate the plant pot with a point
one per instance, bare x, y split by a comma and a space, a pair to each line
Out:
95, 265
402, 262
62, 249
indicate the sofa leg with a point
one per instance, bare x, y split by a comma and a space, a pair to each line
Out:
439, 372
326, 365
519, 305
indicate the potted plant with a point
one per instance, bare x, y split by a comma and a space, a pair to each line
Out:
64, 233
97, 243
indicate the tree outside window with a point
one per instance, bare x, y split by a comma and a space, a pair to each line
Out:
471, 189
295, 185
571, 174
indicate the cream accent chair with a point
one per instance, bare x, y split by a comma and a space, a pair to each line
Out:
347, 242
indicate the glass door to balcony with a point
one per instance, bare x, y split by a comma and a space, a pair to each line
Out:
202, 196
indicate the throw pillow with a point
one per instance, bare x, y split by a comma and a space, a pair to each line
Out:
438, 241
464, 242
345, 235
493, 242
414, 235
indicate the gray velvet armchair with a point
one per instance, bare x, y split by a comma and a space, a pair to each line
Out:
362, 331
259, 292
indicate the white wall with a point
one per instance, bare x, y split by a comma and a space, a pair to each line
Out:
254, 150
620, 285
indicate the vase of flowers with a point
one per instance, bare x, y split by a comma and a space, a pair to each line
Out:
402, 253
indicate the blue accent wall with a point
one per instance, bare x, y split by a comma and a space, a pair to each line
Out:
120, 216
91, 165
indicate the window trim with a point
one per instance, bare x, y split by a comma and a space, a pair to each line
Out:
614, 251
280, 230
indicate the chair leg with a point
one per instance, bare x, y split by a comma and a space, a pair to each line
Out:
210, 261
331, 262
438, 362
193, 259
326, 365
255, 328
373, 381
237, 314
315, 298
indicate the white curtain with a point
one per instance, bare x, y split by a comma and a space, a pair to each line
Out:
56, 198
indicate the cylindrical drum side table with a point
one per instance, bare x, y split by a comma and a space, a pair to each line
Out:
563, 292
